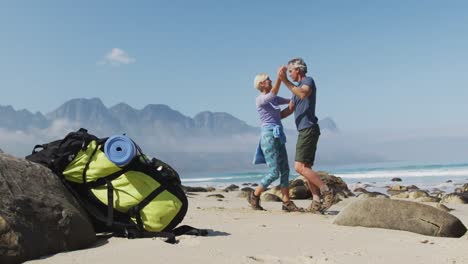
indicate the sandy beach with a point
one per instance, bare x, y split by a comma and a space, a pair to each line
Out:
241, 235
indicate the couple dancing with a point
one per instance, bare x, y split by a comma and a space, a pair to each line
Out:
272, 150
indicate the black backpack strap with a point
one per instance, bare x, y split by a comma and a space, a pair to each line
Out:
105, 180
170, 236
85, 170
36, 147
133, 233
110, 203
189, 230
135, 210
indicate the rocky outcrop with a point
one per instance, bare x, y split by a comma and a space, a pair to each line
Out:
38, 216
396, 189
269, 197
400, 215
455, 198
244, 192
336, 183
372, 195
231, 188
194, 189
300, 190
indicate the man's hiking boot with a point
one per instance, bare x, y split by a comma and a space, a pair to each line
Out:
315, 207
328, 198
290, 206
254, 201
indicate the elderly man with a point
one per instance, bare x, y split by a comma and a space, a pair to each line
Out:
303, 106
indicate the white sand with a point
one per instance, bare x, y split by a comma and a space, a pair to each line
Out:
241, 235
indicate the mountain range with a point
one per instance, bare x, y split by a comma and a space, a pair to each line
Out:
209, 140
122, 118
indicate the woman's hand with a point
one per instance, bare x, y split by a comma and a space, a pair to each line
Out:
282, 73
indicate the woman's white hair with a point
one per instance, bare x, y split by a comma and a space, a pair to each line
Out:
298, 63
260, 78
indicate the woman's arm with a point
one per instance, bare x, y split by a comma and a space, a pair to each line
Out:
276, 87
288, 110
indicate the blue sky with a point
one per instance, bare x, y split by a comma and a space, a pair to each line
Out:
385, 65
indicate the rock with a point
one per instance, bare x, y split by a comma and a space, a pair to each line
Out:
400, 195
38, 216
269, 197
437, 192
275, 191
194, 189
400, 215
255, 184
428, 199
210, 189
231, 188
443, 207
372, 195
215, 195
360, 190
454, 198
465, 187
417, 194
448, 181
396, 179
398, 188
244, 192
299, 181
395, 189
412, 187
299, 192
336, 183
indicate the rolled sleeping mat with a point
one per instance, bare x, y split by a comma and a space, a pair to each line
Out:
120, 150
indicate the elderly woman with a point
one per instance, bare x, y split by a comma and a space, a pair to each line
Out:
272, 142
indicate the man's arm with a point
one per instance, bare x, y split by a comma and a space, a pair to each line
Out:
288, 110
301, 92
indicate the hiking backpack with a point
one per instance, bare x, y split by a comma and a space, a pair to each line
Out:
143, 198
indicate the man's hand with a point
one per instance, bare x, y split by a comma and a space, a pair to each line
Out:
282, 73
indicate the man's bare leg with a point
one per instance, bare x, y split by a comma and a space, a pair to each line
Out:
316, 185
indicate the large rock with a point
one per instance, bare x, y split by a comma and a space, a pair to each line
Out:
38, 216
400, 215
299, 192
366, 195
275, 191
244, 192
268, 197
300, 189
336, 183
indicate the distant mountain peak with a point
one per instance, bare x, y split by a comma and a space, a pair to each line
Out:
21, 119
329, 124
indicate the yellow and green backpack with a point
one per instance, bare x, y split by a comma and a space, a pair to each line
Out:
143, 198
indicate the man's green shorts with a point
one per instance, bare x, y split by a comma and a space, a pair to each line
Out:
307, 144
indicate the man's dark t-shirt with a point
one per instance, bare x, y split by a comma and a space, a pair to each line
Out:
304, 110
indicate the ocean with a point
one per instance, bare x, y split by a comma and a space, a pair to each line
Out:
445, 177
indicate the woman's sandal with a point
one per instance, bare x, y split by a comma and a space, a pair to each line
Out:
254, 201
